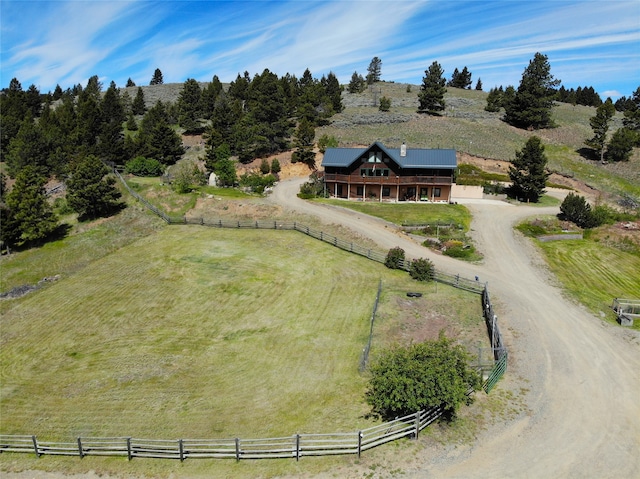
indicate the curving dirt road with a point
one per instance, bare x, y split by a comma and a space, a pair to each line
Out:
580, 376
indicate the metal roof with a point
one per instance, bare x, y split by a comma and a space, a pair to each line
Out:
415, 158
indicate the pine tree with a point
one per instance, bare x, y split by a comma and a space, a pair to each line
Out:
621, 145
600, 125
528, 171
479, 85
631, 119
130, 83
90, 192
305, 137
28, 148
156, 139
111, 136
157, 78
494, 100
138, 107
29, 216
431, 96
189, 105
333, 90
531, 107
357, 83
374, 71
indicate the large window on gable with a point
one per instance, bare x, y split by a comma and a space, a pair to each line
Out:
375, 157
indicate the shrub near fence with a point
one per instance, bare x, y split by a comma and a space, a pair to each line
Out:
297, 445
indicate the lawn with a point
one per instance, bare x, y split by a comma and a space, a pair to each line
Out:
203, 333
409, 213
594, 272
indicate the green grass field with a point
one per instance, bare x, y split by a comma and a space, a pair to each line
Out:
202, 333
594, 273
410, 213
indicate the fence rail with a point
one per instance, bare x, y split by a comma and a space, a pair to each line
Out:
295, 446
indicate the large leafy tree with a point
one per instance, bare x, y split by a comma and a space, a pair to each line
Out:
91, 192
374, 71
528, 172
28, 217
531, 107
431, 95
420, 376
600, 126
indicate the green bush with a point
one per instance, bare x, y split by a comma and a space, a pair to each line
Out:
457, 249
256, 182
141, 166
410, 379
395, 258
314, 188
385, 104
575, 208
421, 269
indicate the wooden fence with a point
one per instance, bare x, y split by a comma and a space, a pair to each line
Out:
497, 345
295, 446
365, 352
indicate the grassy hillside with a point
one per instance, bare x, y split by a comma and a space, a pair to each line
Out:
466, 127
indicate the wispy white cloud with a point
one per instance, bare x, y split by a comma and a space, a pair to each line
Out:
65, 42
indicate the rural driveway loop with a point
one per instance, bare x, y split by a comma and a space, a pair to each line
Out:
579, 377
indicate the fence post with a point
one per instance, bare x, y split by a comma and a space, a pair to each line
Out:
417, 424
129, 451
35, 445
297, 447
80, 448
275, 225
181, 449
237, 449
359, 443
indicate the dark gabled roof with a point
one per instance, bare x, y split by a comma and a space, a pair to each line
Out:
415, 157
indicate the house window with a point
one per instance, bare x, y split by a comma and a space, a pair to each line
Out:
375, 157
374, 172
386, 191
359, 190
436, 192
339, 192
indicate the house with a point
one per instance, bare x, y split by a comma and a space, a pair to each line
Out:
378, 173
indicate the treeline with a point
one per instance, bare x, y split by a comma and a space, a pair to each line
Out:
254, 117
72, 134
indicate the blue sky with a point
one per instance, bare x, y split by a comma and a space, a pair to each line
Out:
593, 43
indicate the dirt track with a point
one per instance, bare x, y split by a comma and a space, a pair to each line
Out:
582, 375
